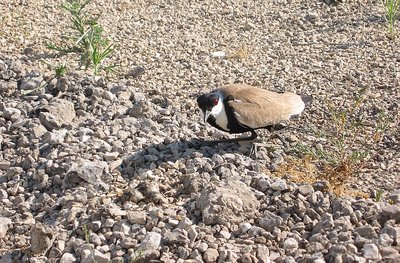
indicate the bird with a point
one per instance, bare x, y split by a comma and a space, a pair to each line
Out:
240, 108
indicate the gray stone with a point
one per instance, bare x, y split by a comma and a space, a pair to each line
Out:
366, 231
385, 240
100, 257
279, 185
55, 137
4, 226
269, 221
50, 121
393, 233
290, 259
59, 112
371, 251
184, 223
151, 241
390, 254
192, 233
225, 234
4, 165
390, 212
341, 207
38, 130
290, 244
68, 258
326, 223
306, 189
3, 195
11, 114
226, 202
395, 197
176, 237
262, 253
89, 171
136, 217
111, 156
30, 82
42, 238
210, 255
244, 227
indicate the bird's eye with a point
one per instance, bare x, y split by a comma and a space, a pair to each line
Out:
215, 101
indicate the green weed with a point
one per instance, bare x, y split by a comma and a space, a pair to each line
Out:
392, 13
87, 38
379, 195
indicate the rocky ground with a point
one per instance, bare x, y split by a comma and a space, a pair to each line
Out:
96, 169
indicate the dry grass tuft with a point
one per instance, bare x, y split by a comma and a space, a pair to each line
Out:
342, 147
308, 170
240, 53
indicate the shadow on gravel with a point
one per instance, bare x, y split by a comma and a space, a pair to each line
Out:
156, 155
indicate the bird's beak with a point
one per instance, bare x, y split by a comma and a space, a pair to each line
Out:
206, 115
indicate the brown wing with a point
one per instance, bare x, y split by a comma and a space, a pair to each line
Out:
256, 108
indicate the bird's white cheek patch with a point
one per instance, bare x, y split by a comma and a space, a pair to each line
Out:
220, 115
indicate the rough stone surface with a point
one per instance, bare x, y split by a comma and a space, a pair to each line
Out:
227, 202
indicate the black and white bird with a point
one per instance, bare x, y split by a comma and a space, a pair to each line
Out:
239, 108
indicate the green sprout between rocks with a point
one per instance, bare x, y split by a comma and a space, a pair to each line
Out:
87, 234
379, 195
60, 71
344, 147
392, 13
87, 40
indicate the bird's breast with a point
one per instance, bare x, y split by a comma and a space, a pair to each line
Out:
221, 120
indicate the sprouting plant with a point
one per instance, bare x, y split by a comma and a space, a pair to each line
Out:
87, 40
86, 231
87, 234
61, 70
379, 195
392, 13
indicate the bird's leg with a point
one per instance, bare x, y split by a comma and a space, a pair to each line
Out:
274, 134
252, 137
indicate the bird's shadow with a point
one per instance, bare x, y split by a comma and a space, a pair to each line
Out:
154, 155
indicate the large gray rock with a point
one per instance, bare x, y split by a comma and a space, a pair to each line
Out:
270, 221
226, 202
371, 251
390, 212
89, 171
42, 238
59, 112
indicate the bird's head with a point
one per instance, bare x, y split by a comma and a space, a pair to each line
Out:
208, 103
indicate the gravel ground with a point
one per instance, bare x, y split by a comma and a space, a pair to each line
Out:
115, 155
